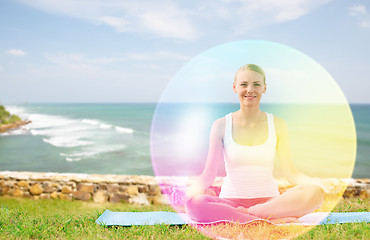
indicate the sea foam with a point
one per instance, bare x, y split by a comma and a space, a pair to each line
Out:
75, 138
68, 141
90, 121
124, 130
91, 152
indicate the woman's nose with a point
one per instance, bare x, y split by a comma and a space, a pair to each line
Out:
250, 89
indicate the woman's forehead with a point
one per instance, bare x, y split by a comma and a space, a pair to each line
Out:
249, 76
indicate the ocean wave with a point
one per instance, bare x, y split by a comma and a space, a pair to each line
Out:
124, 130
90, 121
105, 126
76, 138
15, 110
76, 130
48, 121
54, 125
91, 152
66, 141
73, 159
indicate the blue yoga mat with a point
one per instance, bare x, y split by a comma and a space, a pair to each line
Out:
109, 218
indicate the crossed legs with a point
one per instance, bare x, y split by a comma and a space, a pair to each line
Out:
205, 208
295, 202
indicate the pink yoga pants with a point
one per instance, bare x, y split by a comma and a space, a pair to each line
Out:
205, 208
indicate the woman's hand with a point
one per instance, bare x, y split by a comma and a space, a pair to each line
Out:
191, 191
330, 185
181, 197
178, 196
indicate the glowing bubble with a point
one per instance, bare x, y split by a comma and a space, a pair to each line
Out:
299, 91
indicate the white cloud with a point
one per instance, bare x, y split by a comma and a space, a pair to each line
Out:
1, 68
16, 52
360, 13
251, 14
280, 11
170, 21
163, 19
177, 19
119, 24
357, 10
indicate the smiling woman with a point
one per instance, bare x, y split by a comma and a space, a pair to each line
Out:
246, 140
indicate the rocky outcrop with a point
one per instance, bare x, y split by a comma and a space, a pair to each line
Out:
9, 121
121, 188
12, 126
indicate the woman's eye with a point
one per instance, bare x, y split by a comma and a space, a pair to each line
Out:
256, 84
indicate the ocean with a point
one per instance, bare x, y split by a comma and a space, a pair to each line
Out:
113, 138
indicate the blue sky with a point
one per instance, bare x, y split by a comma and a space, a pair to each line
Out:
128, 51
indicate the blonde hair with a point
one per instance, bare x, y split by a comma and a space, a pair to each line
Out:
252, 67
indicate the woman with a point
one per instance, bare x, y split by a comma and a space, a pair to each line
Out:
247, 141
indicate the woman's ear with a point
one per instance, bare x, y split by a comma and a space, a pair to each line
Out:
264, 90
234, 87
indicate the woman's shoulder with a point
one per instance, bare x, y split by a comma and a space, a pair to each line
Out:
278, 120
220, 122
218, 126
280, 125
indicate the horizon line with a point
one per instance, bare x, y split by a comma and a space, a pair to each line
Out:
26, 103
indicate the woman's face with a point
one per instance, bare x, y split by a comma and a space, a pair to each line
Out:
249, 85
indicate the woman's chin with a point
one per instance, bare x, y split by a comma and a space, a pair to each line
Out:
250, 103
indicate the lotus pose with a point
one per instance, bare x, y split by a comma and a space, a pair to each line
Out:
246, 142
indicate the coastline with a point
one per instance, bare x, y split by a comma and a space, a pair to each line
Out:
12, 126
135, 189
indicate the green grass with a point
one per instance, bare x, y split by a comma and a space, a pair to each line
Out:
58, 219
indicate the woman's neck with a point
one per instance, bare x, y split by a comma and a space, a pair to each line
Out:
250, 113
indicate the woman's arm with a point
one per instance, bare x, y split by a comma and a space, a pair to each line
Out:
284, 154
214, 159
288, 167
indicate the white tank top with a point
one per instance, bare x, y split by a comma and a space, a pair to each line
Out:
249, 168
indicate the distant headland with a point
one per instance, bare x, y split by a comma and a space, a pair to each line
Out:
9, 121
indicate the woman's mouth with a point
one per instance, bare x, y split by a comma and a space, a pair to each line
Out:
250, 97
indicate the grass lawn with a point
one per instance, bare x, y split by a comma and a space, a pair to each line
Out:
58, 219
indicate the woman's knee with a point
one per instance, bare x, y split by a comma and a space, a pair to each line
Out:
313, 195
196, 201
197, 207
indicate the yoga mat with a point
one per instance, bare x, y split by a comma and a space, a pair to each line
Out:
318, 218
109, 218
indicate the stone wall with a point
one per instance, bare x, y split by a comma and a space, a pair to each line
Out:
119, 188
68, 186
